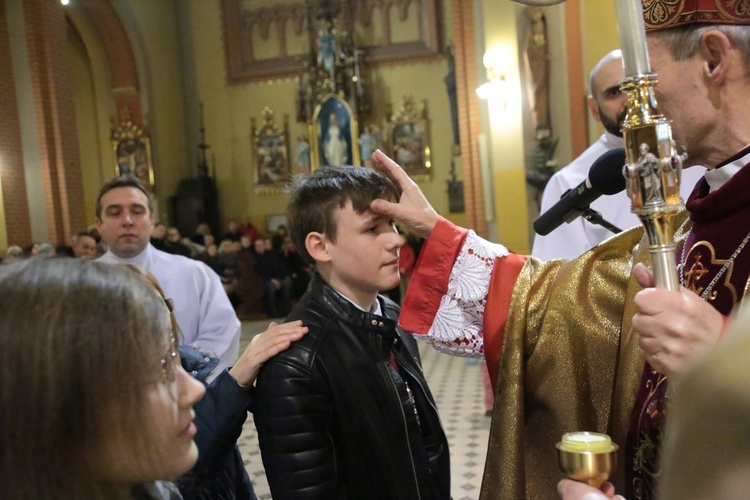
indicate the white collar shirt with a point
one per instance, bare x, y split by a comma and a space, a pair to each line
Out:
202, 309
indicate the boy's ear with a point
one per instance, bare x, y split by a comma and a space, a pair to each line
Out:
315, 243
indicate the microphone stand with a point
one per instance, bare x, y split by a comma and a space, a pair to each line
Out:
595, 217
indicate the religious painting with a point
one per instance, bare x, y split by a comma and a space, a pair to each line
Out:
408, 139
334, 132
132, 151
271, 152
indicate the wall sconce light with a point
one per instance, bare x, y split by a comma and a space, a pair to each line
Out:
496, 86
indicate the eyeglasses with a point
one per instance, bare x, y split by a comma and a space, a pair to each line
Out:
171, 360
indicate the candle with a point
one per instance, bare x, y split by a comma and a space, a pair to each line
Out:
586, 442
632, 37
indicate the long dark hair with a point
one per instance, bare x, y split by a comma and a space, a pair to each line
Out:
77, 340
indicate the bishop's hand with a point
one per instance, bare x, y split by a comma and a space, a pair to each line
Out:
412, 209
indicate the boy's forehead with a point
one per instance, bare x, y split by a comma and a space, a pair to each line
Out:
347, 212
349, 207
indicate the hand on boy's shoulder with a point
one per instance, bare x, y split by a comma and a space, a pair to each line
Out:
276, 338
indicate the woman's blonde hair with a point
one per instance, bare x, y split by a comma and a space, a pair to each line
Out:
77, 339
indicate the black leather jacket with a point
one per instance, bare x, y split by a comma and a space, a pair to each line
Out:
335, 419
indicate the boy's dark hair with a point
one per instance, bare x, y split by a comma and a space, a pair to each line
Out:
118, 182
314, 197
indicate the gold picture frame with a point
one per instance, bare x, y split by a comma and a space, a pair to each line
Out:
270, 145
131, 147
408, 139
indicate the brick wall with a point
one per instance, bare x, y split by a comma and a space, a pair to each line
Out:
47, 41
469, 122
12, 177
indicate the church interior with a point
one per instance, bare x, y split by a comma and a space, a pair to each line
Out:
216, 104
213, 104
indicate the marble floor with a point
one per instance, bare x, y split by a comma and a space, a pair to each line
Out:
457, 386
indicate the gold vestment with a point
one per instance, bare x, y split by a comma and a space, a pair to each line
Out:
570, 362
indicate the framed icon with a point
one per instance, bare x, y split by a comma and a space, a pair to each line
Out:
334, 134
270, 151
131, 147
408, 136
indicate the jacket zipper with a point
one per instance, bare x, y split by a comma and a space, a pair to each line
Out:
416, 379
386, 366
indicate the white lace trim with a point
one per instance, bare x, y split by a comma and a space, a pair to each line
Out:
457, 328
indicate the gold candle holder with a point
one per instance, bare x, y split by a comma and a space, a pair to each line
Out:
589, 457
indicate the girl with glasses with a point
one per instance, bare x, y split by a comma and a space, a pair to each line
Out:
93, 401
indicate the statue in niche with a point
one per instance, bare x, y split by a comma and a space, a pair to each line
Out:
335, 145
450, 86
303, 155
542, 163
537, 56
648, 169
369, 141
329, 51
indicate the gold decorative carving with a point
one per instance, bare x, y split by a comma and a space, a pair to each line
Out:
408, 138
270, 145
294, 25
131, 147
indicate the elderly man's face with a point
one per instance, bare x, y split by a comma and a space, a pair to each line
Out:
682, 96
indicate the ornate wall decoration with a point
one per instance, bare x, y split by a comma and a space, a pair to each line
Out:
408, 136
288, 33
541, 164
270, 145
131, 146
333, 65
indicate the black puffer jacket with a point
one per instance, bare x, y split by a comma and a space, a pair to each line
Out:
336, 420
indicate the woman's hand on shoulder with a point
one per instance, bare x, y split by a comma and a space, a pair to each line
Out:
264, 346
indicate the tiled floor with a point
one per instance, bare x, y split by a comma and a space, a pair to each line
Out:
457, 386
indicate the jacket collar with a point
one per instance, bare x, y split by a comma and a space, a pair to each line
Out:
364, 321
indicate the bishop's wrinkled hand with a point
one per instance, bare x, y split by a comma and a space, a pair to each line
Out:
412, 209
675, 328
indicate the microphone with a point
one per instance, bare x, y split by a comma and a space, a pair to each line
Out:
605, 177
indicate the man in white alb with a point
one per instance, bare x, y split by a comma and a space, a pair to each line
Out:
125, 220
608, 105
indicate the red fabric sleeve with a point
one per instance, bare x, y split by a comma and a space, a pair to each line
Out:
504, 275
406, 261
429, 282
